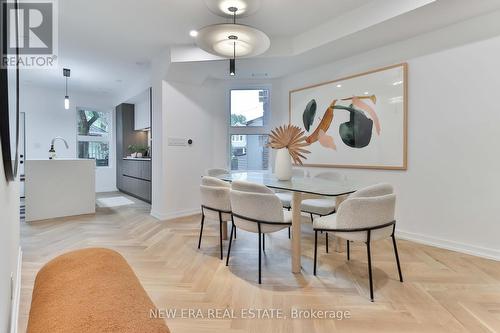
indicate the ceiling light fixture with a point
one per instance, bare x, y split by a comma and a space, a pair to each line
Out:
193, 33
232, 62
67, 74
232, 40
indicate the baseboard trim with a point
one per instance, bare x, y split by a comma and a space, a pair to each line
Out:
175, 215
16, 295
450, 245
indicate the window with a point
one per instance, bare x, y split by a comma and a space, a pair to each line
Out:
251, 153
249, 110
93, 135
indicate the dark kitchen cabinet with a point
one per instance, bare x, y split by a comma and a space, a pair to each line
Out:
137, 187
133, 176
137, 168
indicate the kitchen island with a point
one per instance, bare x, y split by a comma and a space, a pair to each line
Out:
59, 188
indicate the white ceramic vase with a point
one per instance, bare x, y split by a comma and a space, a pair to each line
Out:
283, 164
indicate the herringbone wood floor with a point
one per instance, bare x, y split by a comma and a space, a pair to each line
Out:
443, 290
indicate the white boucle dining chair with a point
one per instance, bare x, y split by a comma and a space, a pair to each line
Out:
366, 216
321, 206
215, 204
256, 209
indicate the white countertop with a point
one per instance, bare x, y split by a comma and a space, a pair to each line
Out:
60, 159
138, 158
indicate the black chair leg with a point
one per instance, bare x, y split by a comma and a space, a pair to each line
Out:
369, 266
220, 235
260, 259
312, 218
348, 251
315, 250
234, 233
289, 233
201, 230
233, 229
264, 242
397, 258
327, 242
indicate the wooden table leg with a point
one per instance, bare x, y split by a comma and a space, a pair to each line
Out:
224, 230
296, 232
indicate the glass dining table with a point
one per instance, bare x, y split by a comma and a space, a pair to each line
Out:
302, 188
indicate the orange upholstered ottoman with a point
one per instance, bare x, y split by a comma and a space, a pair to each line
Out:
90, 291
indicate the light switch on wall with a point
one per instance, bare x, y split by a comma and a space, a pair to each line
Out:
177, 142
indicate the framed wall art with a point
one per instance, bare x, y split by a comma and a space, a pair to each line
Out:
358, 121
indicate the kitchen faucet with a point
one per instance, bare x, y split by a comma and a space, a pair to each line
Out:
52, 151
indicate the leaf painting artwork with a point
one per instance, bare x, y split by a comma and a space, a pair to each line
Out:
324, 124
326, 140
356, 133
309, 114
370, 109
359, 121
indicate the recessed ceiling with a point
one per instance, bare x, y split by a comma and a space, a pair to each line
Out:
107, 41
287, 18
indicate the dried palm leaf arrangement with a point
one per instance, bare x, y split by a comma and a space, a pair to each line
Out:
292, 138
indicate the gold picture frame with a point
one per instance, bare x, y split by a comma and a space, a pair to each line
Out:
372, 77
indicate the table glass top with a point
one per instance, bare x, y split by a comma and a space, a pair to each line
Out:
319, 186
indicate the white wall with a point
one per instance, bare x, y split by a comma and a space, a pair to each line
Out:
159, 189
199, 112
449, 194
9, 244
47, 118
191, 109
193, 112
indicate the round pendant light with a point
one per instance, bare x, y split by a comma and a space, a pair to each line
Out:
67, 75
218, 39
231, 40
